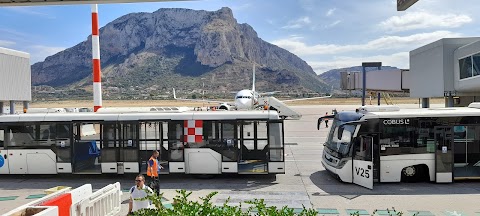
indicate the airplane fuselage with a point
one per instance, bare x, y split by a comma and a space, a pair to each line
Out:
246, 99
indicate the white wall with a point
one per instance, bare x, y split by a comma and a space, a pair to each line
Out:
15, 76
432, 67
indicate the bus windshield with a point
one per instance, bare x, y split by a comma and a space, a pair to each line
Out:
340, 136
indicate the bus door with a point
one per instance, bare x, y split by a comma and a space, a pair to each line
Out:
3, 152
363, 161
253, 148
443, 154
85, 151
128, 148
154, 136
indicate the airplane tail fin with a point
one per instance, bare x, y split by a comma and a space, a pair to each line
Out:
253, 80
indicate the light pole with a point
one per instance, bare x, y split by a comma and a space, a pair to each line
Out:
348, 84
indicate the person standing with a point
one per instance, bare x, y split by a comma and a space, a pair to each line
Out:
137, 192
326, 120
153, 169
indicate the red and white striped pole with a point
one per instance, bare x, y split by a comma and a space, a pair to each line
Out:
97, 75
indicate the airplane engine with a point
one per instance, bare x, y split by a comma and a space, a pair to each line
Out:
225, 106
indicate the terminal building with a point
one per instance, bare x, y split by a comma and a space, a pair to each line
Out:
15, 79
448, 68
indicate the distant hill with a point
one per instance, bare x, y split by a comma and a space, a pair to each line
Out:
332, 77
182, 48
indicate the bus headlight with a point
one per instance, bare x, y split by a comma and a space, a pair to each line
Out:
342, 163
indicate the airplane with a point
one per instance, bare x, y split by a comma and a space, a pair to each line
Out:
246, 99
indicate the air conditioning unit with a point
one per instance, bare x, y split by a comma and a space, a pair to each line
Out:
385, 108
474, 105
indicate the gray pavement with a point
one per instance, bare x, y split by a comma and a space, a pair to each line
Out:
305, 183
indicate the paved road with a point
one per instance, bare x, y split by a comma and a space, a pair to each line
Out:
305, 182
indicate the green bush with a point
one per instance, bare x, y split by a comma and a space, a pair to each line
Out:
391, 212
185, 207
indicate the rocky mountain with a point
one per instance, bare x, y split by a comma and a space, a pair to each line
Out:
332, 77
179, 48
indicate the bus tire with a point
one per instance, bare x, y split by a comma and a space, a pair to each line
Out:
415, 173
408, 174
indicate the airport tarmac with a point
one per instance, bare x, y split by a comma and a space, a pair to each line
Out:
305, 183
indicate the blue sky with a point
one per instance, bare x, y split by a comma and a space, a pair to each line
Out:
327, 34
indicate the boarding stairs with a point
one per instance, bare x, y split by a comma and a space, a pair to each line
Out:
388, 99
284, 111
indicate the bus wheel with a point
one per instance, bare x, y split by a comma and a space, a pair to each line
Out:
409, 174
415, 173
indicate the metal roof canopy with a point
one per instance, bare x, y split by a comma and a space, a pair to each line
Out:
70, 2
403, 5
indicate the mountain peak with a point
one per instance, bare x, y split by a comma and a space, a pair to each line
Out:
226, 10
169, 47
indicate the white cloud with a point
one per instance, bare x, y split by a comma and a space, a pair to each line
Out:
39, 52
296, 46
30, 11
330, 12
400, 60
333, 24
423, 20
298, 23
4, 43
14, 33
296, 37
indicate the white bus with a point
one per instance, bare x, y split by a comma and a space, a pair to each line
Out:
213, 142
386, 144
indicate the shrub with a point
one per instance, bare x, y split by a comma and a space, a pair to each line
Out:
185, 207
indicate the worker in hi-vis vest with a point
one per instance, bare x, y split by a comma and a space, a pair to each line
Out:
153, 169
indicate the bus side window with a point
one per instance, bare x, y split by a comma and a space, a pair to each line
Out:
363, 148
358, 148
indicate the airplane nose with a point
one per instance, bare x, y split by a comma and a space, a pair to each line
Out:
243, 103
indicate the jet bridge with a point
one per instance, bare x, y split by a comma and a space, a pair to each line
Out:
397, 80
283, 110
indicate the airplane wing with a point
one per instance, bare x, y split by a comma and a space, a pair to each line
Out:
299, 99
199, 100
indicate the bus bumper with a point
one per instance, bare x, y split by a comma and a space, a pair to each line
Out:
330, 171
343, 175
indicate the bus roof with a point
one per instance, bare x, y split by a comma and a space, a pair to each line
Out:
425, 112
191, 115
